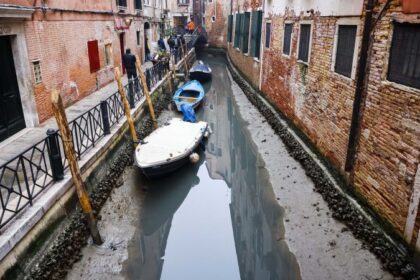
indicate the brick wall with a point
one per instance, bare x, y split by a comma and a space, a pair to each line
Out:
216, 23
61, 47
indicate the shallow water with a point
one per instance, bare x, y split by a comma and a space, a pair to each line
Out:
219, 218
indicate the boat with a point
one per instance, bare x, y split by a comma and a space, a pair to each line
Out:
191, 93
169, 147
200, 71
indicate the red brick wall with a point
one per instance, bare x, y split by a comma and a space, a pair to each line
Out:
389, 147
61, 47
217, 30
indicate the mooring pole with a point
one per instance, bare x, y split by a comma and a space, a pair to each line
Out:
146, 92
126, 107
61, 118
185, 56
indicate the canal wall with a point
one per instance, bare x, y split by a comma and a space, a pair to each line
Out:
365, 224
48, 248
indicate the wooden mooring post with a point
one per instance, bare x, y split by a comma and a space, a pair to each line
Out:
146, 92
185, 57
61, 118
126, 107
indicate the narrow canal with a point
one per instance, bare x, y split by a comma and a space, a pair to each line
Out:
239, 213
217, 219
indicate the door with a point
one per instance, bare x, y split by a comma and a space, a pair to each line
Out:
11, 114
122, 52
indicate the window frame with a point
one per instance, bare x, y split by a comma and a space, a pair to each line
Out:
120, 7
245, 40
237, 37
256, 47
290, 39
230, 30
347, 21
311, 23
386, 76
135, 5
37, 62
147, 3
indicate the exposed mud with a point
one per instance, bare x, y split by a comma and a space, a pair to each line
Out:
66, 248
342, 209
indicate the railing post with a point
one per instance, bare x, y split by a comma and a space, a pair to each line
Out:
131, 93
56, 162
105, 117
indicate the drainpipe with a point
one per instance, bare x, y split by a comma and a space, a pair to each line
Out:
360, 87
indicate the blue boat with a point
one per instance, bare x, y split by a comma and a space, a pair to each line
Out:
200, 71
191, 93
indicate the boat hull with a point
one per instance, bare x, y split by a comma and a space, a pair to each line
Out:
200, 76
164, 169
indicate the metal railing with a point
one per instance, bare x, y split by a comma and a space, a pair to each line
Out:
25, 176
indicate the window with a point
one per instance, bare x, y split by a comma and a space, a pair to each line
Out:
404, 60
122, 3
93, 53
304, 42
237, 30
256, 33
37, 71
137, 5
229, 33
147, 2
245, 31
108, 54
287, 39
138, 37
346, 41
183, 2
267, 34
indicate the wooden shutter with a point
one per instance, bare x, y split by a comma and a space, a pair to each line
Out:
237, 30
229, 33
256, 33
93, 52
287, 40
345, 49
245, 32
267, 34
404, 60
137, 4
304, 40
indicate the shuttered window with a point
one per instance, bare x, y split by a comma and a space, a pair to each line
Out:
304, 41
122, 3
404, 61
230, 26
245, 31
345, 49
287, 39
237, 30
93, 52
241, 30
256, 33
267, 34
137, 4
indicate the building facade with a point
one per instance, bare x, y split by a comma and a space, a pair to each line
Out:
70, 46
306, 57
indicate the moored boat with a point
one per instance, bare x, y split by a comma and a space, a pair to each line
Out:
191, 93
200, 71
169, 147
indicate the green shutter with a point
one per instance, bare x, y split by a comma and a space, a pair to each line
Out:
241, 31
229, 33
237, 30
245, 33
256, 33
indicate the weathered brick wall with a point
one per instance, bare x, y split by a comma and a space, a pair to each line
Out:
61, 47
217, 29
389, 146
247, 65
315, 98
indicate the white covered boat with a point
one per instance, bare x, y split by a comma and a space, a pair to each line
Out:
169, 147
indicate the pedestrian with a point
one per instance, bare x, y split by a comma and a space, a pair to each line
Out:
171, 43
161, 44
182, 42
147, 50
190, 26
129, 61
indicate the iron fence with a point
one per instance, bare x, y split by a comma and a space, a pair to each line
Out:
24, 177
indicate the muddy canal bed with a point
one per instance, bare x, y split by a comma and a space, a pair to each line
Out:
246, 210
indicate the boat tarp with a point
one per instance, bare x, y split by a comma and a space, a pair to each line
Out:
189, 114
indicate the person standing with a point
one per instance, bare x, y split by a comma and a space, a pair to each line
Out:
129, 61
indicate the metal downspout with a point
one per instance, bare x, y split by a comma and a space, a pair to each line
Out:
360, 87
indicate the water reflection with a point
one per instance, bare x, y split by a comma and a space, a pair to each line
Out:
217, 220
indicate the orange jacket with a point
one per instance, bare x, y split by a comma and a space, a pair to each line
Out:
191, 25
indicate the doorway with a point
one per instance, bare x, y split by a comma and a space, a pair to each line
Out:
122, 51
11, 113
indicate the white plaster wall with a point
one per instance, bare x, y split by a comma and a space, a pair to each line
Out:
324, 7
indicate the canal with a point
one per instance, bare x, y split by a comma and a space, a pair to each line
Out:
225, 217
217, 219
